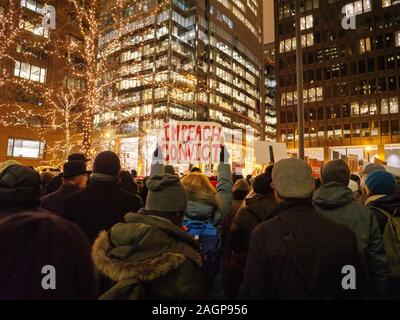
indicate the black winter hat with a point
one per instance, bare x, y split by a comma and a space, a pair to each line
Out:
74, 168
107, 162
19, 185
262, 183
78, 157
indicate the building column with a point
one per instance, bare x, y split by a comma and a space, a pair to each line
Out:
381, 152
327, 154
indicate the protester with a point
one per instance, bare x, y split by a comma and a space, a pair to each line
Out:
299, 254
237, 237
56, 182
335, 201
134, 174
74, 178
240, 190
204, 202
380, 193
195, 170
144, 191
19, 188
372, 167
249, 179
148, 255
31, 241
127, 183
45, 178
355, 186
236, 177
103, 203
384, 201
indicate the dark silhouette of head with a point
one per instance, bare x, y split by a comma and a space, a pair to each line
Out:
126, 182
30, 241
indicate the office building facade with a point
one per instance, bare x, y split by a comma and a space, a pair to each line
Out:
270, 92
183, 60
29, 132
351, 78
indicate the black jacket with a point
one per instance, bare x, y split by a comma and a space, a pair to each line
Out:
237, 238
55, 201
98, 207
299, 254
256, 210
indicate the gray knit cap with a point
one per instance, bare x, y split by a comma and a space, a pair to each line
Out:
166, 194
293, 179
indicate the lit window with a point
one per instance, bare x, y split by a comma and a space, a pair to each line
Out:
306, 22
365, 45
36, 30
358, 7
25, 148
31, 5
394, 105
384, 106
397, 36
30, 72
388, 3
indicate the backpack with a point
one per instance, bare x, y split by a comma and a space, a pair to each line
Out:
391, 241
209, 238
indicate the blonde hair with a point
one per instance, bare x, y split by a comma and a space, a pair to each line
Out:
199, 188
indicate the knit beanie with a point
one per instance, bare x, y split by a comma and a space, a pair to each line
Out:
19, 186
293, 179
336, 171
166, 193
107, 162
381, 182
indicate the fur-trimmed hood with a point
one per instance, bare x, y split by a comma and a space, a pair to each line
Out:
143, 248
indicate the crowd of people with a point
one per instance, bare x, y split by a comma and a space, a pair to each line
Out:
280, 235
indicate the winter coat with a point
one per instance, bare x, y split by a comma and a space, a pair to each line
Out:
237, 237
199, 210
256, 210
100, 206
335, 202
300, 254
55, 201
149, 257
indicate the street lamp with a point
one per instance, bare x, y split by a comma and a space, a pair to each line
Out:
299, 71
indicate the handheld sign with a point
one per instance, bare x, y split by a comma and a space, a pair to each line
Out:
269, 152
189, 142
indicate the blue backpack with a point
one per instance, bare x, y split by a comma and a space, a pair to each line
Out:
209, 238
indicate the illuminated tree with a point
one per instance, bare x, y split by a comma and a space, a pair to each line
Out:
61, 114
10, 16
